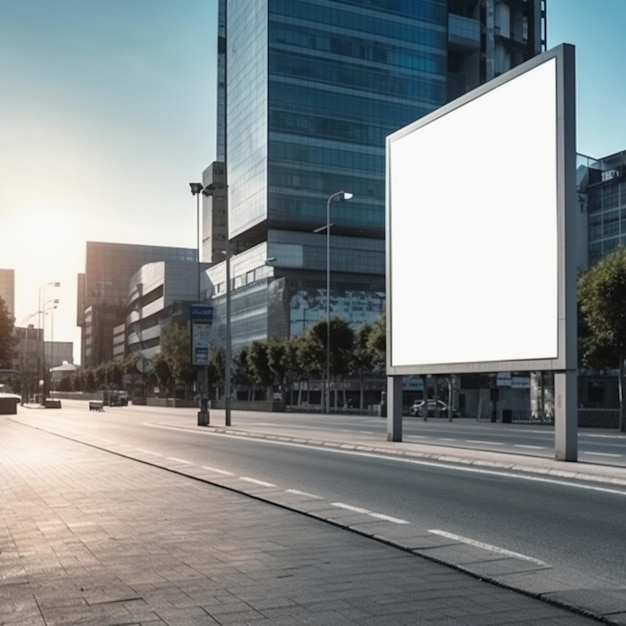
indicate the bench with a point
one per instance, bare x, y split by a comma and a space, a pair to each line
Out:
96, 405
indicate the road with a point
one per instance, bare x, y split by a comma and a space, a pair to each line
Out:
574, 526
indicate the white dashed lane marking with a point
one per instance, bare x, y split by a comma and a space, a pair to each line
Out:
256, 482
217, 471
358, 509
147, 451
297, 492
485, 546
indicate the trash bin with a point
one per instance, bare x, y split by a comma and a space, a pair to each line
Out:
507, 416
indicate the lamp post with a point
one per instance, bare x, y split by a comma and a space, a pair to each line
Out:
227, 350
203, 373
40, 347
341, 195
54, 302
52, 346
210, 190
25, 360
196, 190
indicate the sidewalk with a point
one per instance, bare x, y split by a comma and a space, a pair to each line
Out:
92, 538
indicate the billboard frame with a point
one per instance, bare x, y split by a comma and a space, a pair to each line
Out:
565, 125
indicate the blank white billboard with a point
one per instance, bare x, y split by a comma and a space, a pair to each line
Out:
475, 229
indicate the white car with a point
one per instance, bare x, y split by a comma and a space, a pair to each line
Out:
417, 408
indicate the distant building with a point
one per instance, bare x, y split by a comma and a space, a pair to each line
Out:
7, 289
58, 352
58, 373
602, 203
159, 294
103, 291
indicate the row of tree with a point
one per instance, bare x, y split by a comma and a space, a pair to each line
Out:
602, 343
258, 367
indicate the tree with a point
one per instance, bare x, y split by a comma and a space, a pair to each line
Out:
602, 306
277, 355
259, 365
341, 348
176, 351
242, 372
162, 374
362, 358
377, 340
8, 338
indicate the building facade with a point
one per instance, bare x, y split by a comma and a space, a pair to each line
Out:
159, 294
602, 201
7, 289
307, 93
104, 287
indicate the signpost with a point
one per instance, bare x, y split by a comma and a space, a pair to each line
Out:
201, 316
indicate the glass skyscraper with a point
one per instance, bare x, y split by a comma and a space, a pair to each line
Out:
307, 92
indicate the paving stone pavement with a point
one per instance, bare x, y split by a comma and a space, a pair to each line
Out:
91, 538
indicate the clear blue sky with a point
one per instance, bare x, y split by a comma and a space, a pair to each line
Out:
108, 111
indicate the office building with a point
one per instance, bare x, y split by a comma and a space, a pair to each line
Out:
104, 287
159, 294
307, 93
7, 290
602, 201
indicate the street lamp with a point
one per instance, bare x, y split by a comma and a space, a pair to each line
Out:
52, 344
26, 362
203, 385
40, 348
196, 190
53, 302
210, 190
341, 195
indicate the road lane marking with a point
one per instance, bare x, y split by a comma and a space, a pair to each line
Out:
297, 492
446, 439
487, 443
357, 509
256, 482
486, 546
147, 451
173, 458
366, 432
519, 445
217, 471
604, 454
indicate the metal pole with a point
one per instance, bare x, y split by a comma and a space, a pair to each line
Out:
198, 240
51, 347
327, 391
41, 356
227, 350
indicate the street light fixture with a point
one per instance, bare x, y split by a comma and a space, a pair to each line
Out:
341, 195
203, 385
211, 190
46, 309
40, 348
196, 190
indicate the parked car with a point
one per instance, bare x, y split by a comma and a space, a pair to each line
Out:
417, 408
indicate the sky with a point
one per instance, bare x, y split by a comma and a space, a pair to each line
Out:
107, 112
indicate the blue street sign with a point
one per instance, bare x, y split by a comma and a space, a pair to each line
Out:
201, 313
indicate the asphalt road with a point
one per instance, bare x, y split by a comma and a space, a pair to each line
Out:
576, 527
602, 446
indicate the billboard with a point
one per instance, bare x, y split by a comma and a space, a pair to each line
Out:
480, 270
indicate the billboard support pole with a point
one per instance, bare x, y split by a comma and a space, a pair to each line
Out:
566, 416
394, 408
